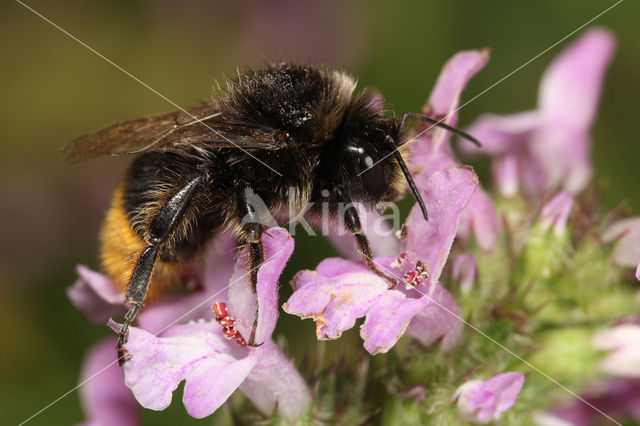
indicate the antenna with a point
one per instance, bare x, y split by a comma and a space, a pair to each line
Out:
412, 184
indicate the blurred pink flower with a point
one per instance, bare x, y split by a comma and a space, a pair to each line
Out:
624, 343
465, 270
105, 399
214, 366
627, 249
550, 147
432, 152
617, 398
556, 212
340, 291
481, 402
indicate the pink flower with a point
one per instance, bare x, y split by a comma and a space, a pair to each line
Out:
627, 249
340, 291
464, 270
556, 213
550, 147
617, 398
432, 151
104, 397
624, 343
214, 366
481, 402
97, 297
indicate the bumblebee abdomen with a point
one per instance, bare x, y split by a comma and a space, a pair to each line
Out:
121, 247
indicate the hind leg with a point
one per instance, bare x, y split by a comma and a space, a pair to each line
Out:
160, 229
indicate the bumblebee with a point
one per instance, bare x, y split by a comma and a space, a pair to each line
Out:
273, 129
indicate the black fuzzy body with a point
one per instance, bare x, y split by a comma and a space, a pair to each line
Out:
311, 110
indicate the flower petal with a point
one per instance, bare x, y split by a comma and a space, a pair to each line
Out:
624, 340
445, 195
627, 250
440, 319
196, 353
562, 155
336, 266
620, 228
506, 387
480, 216
211, 381
105, 398
623, 362
480, 402
465, 270
387, 320
617, 337
278, 246
274, 381
500, 134
556, 212
570, 88
334, 302
96, 296
505, 174
445, 97
431, 152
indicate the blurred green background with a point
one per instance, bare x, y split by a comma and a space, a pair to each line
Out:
53, 90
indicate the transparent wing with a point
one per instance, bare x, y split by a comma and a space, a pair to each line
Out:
203, 125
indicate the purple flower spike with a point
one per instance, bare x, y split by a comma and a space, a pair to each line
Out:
556, 212
105, 398
214, 360
550, 147
465, 270
340, 291
481, 402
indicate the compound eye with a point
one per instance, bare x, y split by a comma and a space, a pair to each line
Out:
372, 174
374, 182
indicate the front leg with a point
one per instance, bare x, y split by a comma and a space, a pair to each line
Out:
352, 223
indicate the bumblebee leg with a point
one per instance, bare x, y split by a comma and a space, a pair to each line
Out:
352, 223
252, 229
159, 230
